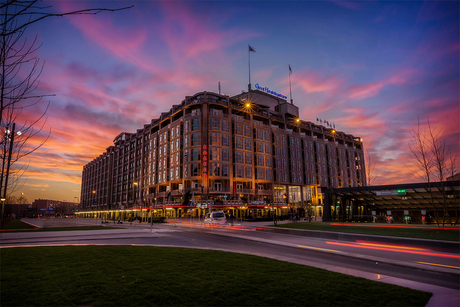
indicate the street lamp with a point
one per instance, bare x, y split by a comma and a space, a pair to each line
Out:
135, 184
3, 210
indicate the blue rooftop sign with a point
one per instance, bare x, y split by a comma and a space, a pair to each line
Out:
267, 90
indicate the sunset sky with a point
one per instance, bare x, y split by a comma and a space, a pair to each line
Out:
371, 67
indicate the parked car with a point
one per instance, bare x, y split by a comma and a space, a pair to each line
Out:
215, 218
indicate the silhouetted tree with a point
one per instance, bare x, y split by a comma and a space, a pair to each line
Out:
430, 155
20, 70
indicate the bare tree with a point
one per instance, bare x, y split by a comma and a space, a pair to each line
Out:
371, 175
371, 169
453, 171
20, 71
438, 152
422, 158
431, 156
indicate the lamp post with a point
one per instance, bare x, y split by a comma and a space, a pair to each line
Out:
3, 210
135, 184
94, 202
78, 202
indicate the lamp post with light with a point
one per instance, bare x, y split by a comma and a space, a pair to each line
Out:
9, 136
3, 210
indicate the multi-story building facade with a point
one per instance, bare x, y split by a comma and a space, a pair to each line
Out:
249, 154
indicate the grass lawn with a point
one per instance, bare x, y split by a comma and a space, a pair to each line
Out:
161, 276
15, 224
18, 226
394, 230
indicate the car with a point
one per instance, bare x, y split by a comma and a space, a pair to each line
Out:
215, 218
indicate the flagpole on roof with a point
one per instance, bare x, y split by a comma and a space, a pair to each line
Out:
250, 49
290, 90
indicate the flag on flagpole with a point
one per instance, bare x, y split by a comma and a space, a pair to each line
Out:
290, 70
251, 49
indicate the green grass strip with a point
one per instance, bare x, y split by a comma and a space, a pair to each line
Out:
18, 226
15, 224
421, 232
161, 276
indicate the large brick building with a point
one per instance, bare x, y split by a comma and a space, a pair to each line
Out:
249, 154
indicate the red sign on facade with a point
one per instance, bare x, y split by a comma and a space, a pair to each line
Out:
204, 162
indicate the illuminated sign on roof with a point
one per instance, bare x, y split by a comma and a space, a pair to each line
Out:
267, 90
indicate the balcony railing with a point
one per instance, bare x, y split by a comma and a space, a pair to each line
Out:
245, 191
177, 192
219, 190
264, 192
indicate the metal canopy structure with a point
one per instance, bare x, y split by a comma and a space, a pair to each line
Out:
398, 198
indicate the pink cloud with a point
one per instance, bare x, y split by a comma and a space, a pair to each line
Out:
312, 82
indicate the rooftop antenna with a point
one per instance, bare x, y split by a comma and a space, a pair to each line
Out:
250, 49
219, 87
290, 90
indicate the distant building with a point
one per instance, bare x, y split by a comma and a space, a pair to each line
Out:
455, 177
48, 207
249, 155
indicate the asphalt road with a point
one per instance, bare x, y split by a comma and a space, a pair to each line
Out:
401, 265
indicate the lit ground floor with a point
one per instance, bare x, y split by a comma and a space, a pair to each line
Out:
235, 210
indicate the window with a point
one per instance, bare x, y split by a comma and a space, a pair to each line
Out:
216, 112
225, 170
260, 134
214, 154
269, 175
195, 169
260, 160
225, 140
215, 169
239, 171
247, 144
267, 148
225, 156
196, 112
186, 170
248, 158
196, 154
218, 187
214, 139
248, 172
196, 124
238, 143
267, 136
196, 139
239, 129
247, 131
186, 126
260, 174
260, 147
283, 138
224, 125
267, 161
239, 157
214, 124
